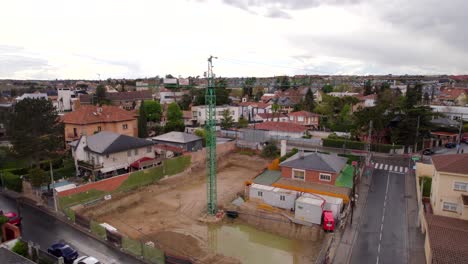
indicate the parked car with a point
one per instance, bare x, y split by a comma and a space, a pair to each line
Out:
428, 151
63, 250
13, 218
450, 145
86, 260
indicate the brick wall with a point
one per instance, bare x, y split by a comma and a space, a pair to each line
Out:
310, 176
106, 185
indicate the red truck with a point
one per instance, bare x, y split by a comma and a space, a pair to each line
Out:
328, 221
13, 218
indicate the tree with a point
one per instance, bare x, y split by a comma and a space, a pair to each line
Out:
270, 150
327, 88
258, 95
247, 88
368, 87
242, 123
185, 101
142, 121
38, 177
100, 94
153, 111
275, 109
309, 102
35, 129
226, 120
222, 96
174, 118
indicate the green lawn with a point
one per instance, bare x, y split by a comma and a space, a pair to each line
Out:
79, 198
427, 186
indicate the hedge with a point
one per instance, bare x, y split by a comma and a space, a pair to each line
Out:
12, 182
141, 178
176, 165
288, 155
349, 144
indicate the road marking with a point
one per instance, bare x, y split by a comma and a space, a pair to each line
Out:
401, 169
390, 168
381, 166
376, 165
379, 244
383, 217
377, 260
386, 166
406, 169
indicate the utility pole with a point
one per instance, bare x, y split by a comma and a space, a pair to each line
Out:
417, 135
459, 134
369, 142
210, 128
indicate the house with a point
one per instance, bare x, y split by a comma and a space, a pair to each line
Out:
66, 100
305, 118
452, 96
167, 96
107, 153
342, 94
282, 129
128, 100
185, 141
90, 119
286, 104
365, 101
264, 117
313, 167
199, 113
449, 190
250, 109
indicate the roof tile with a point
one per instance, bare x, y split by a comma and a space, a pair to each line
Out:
90, 114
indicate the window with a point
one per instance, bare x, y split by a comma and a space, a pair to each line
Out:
298, 174
107, 156
452, 207
300, 118
136, 152
460, 186
282, 198
129, 153
148, 149
99, 128
291, 118
325, 177
260, 194
124, 126
75, 132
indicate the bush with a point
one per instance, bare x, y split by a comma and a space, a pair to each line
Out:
12, 182
21, 248
270, 151
349, 144
3, 220
426, 191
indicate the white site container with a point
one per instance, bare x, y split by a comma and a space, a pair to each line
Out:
281, 198
333, 204
258, 191
309, 209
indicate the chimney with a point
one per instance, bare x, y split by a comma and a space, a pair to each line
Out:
283, 147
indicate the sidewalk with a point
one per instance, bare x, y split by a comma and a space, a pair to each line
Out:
347, 237
416, 240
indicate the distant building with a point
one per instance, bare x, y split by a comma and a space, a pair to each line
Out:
142, 86
185, 141
199, 113
281, 129
126, 100
36, 95
452, 96
167, 96
90, 119
250, 109
305, 118
66, 100
265, 117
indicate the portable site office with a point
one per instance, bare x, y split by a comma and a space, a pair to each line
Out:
277, 197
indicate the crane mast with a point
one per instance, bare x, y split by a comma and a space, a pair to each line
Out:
210, 130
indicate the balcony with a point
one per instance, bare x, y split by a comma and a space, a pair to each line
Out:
89, 165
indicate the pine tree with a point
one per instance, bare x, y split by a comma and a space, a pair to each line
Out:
309, 101
142, 122
368, 88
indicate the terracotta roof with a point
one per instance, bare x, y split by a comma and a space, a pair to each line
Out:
90, 114
187, 114
451, 93
303, 113
451, 163
281, 126
448, 238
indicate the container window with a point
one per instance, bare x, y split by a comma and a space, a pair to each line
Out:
460, 186
260, 194
325, 177
282, 198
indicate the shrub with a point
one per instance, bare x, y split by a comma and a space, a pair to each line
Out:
3, 220
21, 248
349, 144
270, 150
12, 182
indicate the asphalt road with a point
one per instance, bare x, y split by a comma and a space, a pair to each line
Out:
383, 233
45, 230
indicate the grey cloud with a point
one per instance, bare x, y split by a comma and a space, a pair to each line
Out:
277, 13
133, 68
13, 60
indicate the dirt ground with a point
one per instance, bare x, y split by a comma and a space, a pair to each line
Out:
167, 213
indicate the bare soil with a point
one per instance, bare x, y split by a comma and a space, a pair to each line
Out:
167, 212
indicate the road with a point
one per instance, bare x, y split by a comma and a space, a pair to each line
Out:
44, 230
383, 233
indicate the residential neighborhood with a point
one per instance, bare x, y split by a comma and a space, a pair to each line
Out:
234, 132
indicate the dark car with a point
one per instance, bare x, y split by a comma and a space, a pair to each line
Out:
63, 250
428, 152
450, 145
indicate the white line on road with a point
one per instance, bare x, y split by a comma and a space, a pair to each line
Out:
401, 169
376, 165
386, 166
390, 168
406, 169
383, 216
377, 260
381, 166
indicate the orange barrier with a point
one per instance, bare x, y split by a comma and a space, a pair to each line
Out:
274, 165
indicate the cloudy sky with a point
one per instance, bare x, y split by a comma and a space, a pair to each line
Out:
51, 39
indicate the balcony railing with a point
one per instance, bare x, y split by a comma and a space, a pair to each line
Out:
89, 165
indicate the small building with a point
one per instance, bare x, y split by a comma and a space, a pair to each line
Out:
199, 113
305, 118
250, 109
313, 167
282, 129
276, 197
185, 141
106, 153
264, 117
333, 204
309, 209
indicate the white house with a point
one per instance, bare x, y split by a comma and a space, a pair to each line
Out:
250, 109
107, 153
167, 96
65, 99
199, 113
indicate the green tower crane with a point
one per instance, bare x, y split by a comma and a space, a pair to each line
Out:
210, 129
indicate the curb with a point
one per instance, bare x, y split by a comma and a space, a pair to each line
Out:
24, 200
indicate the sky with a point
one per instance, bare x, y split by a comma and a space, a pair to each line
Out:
56, 39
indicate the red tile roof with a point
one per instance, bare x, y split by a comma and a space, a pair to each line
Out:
281, 126
451, 163
451, 93
448, 238
303, 113
90, 114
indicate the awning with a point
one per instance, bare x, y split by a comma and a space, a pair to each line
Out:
113, 168
145, 161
